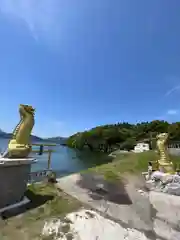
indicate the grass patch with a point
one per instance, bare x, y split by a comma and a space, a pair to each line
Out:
133, 163
47, 202
111, 176
60, 204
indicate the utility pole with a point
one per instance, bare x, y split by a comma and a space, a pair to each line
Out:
150, 140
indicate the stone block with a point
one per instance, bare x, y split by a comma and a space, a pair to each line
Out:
173, 188
176, 179
13, 181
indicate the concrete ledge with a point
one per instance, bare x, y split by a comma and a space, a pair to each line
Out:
12, 162
14, 176
16, 205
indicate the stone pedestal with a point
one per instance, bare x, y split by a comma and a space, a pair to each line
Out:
163, 182
14, 175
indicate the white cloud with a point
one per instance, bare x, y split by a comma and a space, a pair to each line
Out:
172, 112
172, 90
40, 16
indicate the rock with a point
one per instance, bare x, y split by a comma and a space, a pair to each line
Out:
143, 193
154, 185
167, 179
157, 175
150, 184
162, 182
172, 188
176, 179
101, 188
146, 176
89, 225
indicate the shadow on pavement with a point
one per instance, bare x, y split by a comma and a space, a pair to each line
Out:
99, 188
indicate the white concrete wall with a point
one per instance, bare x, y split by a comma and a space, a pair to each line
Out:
141, 147
174, 151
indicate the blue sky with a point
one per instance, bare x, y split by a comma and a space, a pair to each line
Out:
83, 63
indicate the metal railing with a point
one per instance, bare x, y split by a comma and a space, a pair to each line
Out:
40, 174
174, 145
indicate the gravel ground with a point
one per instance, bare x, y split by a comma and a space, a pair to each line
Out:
155, 215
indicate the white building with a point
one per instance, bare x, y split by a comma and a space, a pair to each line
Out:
141, 147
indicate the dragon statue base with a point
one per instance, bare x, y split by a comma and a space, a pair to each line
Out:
18, 150
165, 165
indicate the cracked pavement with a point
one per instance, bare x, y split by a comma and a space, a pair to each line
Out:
155, 215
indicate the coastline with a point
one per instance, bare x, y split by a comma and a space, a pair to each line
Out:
130, 211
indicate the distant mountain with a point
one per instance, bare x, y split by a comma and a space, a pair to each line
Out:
4, 134
60, 140
36, 138
9, 135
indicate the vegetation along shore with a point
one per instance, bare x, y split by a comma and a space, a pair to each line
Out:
108, 138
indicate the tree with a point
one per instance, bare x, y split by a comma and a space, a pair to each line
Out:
128, 144
105, 138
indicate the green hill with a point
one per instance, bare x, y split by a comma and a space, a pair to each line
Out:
58, 140
124, 135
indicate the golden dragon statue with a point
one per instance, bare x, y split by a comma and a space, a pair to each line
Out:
165, 165
19, 146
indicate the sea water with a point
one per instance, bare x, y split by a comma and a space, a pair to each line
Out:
64, 160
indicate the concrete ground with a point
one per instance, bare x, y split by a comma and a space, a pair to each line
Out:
150, 215
88, 225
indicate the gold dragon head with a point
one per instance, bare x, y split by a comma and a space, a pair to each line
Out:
26, 108
162, 136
